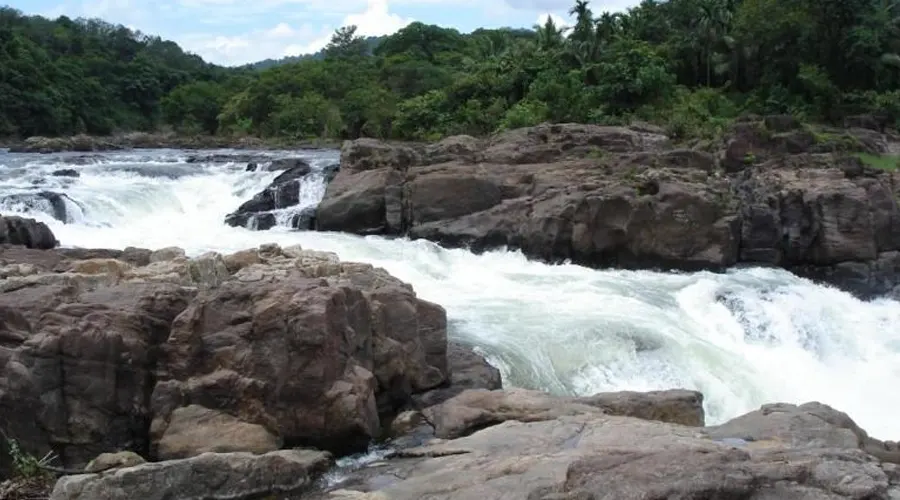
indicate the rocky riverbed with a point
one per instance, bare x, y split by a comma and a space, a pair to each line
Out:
147, 374
284, 372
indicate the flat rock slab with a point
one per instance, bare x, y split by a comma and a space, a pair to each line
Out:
211, 475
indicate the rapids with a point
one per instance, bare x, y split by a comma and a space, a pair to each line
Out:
743, 338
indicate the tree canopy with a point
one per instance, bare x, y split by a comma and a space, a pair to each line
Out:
688, 65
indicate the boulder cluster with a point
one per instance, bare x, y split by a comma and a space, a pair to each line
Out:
773, 192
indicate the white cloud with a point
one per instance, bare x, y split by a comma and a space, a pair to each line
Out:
282, 30
284, 39
558, 20
377, 20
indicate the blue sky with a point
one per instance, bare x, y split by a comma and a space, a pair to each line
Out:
240, 31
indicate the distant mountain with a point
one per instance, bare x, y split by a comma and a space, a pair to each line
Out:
371, 41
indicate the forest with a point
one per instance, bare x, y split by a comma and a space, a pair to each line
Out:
691, 66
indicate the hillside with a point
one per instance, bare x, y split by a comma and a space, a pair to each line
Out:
691, 66
371, 42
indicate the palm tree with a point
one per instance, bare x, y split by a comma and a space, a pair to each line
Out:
713, 22
549, 35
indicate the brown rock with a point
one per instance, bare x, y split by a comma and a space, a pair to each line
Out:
780, 193
294, 345
582, 456
107, 461
193, 430
79, 360
468, 370
279, 337
239, 476
472, 410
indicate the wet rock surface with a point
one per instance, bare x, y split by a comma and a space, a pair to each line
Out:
261, 211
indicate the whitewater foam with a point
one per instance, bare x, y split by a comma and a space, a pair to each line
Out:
744, 338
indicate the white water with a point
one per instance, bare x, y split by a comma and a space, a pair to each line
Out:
744, 338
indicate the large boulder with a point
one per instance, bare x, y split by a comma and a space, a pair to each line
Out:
79, 359
26, 232
171, 356
776, 193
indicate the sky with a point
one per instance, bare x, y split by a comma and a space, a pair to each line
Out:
234, 32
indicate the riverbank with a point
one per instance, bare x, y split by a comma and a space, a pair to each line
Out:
142, 140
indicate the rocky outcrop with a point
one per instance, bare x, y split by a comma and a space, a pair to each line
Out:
80, 143
28, 233
170, 356
261, 212
774, 193
209, 475
567, 452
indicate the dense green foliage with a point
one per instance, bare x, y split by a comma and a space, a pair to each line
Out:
65, 76
690, 65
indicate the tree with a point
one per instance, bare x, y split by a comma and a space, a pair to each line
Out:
345, 44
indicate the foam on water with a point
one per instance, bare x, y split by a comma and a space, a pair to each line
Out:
744, 338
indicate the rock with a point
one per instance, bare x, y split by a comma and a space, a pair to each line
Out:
367, 154
107, 461
166, 254
546, 143
250, 158
305, 220
79, 360
48, 202
472, 410
869, 122
298, 166
80, 143
781, 123
26, 232
210, 475
590, 455
283, 192
673, 406
459, 147
193, 430
468, 370
169, 356
808, 425
355, 344
331, 171
66, 172
405, 423
775, 193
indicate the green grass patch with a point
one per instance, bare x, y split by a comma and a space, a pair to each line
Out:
883, 162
